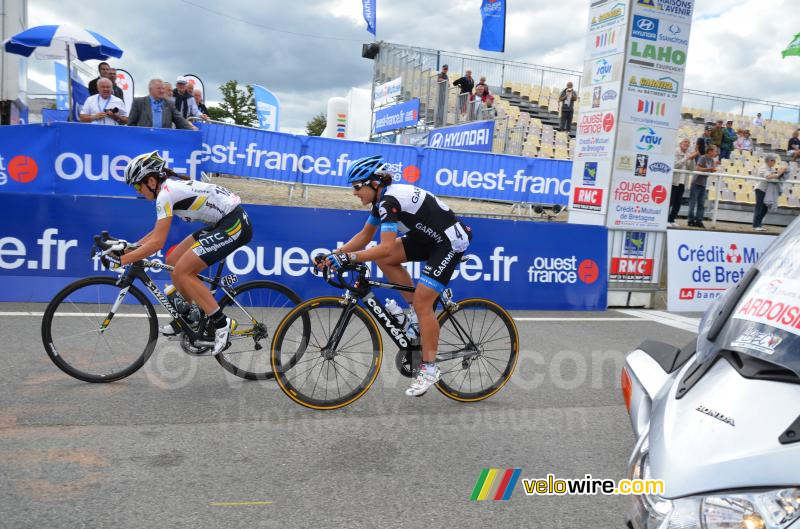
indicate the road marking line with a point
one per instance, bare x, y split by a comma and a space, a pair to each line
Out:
91, 314
237, 503
577, 319
664, 318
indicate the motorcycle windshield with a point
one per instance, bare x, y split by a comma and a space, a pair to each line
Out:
765, 322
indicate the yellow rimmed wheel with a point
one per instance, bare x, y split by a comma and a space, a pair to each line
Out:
326, 353
478, 350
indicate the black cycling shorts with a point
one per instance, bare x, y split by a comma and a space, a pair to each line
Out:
441, 260
218, 241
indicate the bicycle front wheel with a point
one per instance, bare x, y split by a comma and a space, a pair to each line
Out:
257, 307
478, 347
314, 374
97, 332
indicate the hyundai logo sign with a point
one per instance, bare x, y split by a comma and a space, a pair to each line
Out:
645, 24
436, 139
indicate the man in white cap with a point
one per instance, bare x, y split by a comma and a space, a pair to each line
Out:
184, 99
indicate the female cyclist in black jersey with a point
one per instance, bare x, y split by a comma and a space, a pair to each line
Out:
414, 226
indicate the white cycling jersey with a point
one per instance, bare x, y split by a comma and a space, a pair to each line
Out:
195, 201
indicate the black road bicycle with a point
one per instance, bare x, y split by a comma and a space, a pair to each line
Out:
104, 328
326, 352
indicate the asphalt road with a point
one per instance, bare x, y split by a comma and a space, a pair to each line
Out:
182, 443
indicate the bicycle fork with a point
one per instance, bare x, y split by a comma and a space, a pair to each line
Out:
329, 350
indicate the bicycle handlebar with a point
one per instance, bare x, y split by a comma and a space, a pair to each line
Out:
107, 244
334, 277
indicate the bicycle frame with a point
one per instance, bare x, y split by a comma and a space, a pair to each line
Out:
137, 271
362, 289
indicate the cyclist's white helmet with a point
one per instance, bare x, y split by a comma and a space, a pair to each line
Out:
143, 166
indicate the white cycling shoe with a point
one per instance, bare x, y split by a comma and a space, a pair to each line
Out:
222, 336
425, 379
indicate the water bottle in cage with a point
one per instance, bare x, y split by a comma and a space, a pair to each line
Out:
411, 327
394, 309
177, 300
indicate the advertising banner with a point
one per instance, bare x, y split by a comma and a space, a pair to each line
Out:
701, 265
71, 158
598, 107
649, 114
40, 256
388, 91
474, 136
267, 108
400, 116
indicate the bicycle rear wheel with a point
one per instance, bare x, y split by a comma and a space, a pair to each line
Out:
478, 347
85, 341
257, 307
318, 378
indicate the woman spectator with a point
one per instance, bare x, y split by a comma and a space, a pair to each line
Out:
768, 190
477, 101
744, 143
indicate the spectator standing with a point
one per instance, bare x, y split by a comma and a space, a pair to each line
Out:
104, 108
716, 134
112, 76
697, 193
684, 160
768, 190
703, 141
728, 137
102, 69
154, 111
744, 143
465, 84
793, 147
482, 81
168, 92
201, 106
567, 99
758, 121
441, 96
184, 99
477, 101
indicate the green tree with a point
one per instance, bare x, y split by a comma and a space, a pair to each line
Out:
216, 113
237, 104
316, 125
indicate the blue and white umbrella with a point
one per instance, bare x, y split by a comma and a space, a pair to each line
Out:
62, 42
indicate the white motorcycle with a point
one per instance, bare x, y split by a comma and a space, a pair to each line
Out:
718, 422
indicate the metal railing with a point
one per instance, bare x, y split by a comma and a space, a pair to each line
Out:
715, 180
419, 66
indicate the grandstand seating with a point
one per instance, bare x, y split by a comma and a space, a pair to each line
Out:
529, 119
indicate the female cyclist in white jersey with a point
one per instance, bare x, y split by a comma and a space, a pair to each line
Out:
228, 228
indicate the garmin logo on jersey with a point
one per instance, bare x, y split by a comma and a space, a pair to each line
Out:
444, 263
417, 193
386, 321
430, 232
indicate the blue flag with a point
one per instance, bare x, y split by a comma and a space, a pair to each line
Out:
267, 108
369, 14
62, 96
493, 30
79, 95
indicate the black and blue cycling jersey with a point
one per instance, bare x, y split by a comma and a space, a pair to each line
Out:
430, 230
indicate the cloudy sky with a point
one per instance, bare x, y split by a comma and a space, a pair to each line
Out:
310, 50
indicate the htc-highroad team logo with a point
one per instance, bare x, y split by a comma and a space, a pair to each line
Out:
496, 484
